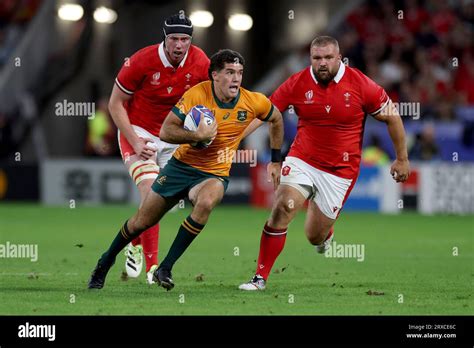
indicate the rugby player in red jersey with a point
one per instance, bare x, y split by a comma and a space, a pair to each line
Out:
322, 166
148, 85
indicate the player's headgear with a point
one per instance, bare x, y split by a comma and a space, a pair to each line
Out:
178, 24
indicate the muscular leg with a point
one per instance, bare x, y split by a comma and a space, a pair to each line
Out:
317, 224
288, 202
205, 197
149, 237
144, 175
150, 212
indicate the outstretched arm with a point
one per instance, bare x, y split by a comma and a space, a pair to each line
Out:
276, 141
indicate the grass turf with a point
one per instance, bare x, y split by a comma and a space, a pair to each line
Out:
408, 263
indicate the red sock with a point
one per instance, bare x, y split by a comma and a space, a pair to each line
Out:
150, 246
271, 245
330, 233
137, 241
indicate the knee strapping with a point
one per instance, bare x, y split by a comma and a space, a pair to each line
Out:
142, 170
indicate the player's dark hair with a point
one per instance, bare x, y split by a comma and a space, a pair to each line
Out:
221, 57
324, 41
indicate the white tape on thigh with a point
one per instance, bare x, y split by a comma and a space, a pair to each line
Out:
142, 170
305, 190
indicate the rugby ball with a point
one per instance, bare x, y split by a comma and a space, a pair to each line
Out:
191, 122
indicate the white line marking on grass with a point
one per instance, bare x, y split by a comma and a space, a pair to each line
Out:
35, 274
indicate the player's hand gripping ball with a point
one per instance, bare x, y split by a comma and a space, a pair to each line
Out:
191, 123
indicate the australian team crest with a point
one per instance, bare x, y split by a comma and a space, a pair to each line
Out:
241, 115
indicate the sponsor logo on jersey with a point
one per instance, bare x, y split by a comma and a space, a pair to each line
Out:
241, 115
226, 116
309, 97
155, 79
162, 180
169, 89
285, 170
347, 99
328, 108
188, 77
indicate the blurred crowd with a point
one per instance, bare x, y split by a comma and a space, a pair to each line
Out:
419, 51
14, 16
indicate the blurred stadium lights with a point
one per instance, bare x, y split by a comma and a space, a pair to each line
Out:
240, 22
203, 19
70, 12
105, 15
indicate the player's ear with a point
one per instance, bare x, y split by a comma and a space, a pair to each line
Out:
214, 75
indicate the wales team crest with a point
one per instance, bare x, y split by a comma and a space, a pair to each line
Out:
241, 115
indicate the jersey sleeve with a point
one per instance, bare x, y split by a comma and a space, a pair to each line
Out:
202, 64
281, 97
204, 75
263, 107
189, 99
131, 74
375, 97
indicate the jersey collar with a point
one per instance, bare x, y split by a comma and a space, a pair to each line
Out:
222, 105
336, 79
164, 59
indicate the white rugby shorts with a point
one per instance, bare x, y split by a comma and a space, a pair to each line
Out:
328, 191
164, 150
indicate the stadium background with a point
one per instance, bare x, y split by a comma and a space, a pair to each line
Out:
64, 188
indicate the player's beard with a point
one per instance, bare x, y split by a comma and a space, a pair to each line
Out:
325, 77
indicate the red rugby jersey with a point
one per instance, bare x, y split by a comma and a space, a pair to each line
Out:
156, 86
331, 118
